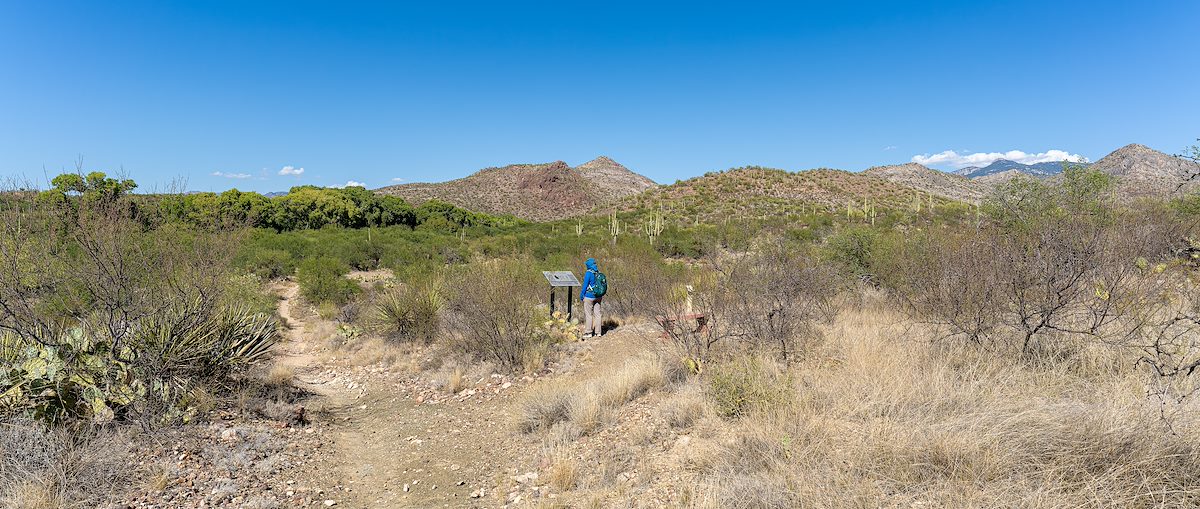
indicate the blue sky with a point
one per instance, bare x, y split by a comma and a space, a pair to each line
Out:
229, 94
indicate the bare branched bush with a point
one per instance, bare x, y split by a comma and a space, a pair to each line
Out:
1010, 289
491, 313
770, 300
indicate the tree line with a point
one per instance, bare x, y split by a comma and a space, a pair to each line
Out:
302, 208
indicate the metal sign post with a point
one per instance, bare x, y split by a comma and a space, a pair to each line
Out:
561, 278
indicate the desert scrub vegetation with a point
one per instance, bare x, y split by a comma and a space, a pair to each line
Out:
769, 300
104, 317
587, 406
321, 281
747, 385
111, 322
492, 313
42, 468
879, 420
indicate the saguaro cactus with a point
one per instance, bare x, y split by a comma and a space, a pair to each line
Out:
653, 226
614, 227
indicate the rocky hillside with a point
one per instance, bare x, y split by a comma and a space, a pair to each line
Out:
538, 192
940, 183
765, 192
1143, 171
991, 180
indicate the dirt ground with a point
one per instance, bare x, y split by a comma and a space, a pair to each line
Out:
388, 433
398, 440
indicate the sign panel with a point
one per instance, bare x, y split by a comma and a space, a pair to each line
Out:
559, 278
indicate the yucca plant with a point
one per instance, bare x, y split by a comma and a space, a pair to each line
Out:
190, 341
409, 314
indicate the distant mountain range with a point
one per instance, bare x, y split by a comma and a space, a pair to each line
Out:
1140, 171
550, 191
1045, 169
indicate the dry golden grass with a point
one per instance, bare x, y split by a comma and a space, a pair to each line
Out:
157, 478
564, 471
455, 382
881, 417
34, 494
685, 407
589, 405
280, 375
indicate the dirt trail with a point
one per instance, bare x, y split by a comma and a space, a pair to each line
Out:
395, 447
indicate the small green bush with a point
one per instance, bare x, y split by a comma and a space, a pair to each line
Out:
270, 263
853, 249
321, 281
747, 385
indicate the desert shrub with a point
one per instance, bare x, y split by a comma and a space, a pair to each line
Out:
638, 280
546, 405
269, 263
246, 290
852, 250
321, 280
769, 300
491, 313
587, 406
409, 314
773, 299
747, 385
685, 408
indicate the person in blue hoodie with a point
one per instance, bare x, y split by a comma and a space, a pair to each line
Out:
593, 318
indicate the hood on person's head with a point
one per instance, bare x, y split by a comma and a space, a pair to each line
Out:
591, 263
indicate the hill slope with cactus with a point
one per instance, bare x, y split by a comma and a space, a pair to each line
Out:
929, 180
755, 192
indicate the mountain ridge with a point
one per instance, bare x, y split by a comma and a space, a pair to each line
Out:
538, 192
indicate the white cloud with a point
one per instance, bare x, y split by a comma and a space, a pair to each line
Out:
889, 147
952, 158
291, 170
231, 175
350, 183
398, 180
